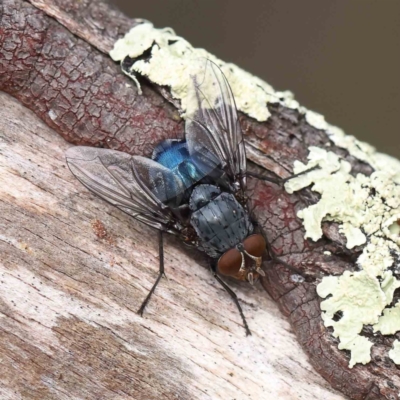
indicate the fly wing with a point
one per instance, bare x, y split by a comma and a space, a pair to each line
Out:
136, 185
213, 132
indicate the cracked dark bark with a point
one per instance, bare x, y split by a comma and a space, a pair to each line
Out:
54, 62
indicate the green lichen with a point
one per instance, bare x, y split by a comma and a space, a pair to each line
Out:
174, 61
355, 236
365, 209
338, 196
389, 284
389, 322
360, 299
361, 150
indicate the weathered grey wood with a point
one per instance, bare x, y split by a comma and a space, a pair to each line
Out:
69, 295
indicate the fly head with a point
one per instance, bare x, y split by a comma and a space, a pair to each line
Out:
243, 262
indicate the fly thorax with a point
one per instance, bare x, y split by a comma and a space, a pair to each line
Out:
218, 219
202, 195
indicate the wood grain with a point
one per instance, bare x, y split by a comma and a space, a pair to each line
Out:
69, 295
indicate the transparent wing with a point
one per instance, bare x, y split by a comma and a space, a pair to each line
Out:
136, 185
214, 125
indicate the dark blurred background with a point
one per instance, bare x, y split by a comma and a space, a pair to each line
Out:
340, 58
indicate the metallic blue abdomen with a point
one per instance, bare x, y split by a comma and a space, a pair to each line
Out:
174, 155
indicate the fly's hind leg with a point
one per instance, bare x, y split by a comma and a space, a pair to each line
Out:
160, 273
234, 298
277, 180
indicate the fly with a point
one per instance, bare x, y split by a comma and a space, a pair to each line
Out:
194, 187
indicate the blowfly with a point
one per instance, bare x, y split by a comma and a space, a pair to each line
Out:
194, 187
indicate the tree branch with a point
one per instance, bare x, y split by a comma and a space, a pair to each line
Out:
70, 293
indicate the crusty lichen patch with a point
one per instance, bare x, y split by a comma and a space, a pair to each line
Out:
394, 354
172, 61
361, 150
366, 209
361, 300
389, 322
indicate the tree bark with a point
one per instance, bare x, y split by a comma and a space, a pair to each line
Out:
74, 270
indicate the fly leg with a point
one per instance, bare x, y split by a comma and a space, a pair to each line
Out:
160, 273
272, 254
277, 260
279, 181
235, 299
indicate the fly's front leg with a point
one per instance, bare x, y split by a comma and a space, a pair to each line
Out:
277, 260
234, 298
280, 181
272, 254
160, 273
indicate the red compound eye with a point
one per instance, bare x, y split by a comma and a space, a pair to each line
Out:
230, 262
255, 245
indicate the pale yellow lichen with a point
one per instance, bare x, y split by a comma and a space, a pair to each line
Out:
394, 354
355, 236
366, 209
376, 257
389, 284
389, 322
174, 62
338, 199
360, 349
361, 300
363, 205
384, 162
361, 150
391, 228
